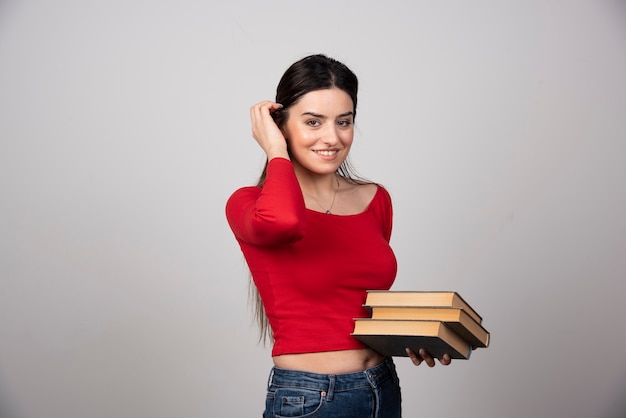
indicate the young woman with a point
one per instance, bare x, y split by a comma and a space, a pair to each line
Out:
316, 238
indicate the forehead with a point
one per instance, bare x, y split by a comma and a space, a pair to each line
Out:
332, 100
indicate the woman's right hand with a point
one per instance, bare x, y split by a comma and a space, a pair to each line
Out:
423, 356
266, 132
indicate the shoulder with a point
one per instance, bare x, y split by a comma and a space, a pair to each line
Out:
354, 197
371, 193
367, 192
242, 195
382, 197
382, 191
382, 208
246, 191
357, 197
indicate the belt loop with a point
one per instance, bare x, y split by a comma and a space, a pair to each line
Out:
331, 387
270, 379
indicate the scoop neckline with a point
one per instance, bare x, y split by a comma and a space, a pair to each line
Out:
367, 208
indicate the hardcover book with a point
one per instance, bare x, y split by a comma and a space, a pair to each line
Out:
455, 318
420, 298
392, 337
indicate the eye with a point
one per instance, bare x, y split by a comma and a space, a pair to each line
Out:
344, 123
313, 123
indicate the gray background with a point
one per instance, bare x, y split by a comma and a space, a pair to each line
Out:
497, 126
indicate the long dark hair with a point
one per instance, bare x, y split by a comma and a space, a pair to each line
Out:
315, 72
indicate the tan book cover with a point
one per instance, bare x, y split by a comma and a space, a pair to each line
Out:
420, 298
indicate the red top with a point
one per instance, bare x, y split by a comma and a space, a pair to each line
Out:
312, 269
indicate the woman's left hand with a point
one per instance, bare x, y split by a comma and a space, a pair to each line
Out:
423, 356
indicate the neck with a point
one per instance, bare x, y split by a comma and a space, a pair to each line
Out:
319, 190
316, 184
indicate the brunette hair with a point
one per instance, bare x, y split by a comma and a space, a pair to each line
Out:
311, 73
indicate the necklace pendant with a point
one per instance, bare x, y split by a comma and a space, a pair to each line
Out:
328, 212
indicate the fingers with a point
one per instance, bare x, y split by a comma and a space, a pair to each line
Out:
423, 356
417, 360
264, 129
445, 360
267, 104
427, 358
261, 112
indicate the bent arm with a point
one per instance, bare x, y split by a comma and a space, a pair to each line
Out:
271, 215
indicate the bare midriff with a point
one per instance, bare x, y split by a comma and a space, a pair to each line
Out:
330, 362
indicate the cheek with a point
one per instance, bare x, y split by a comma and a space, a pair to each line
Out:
347, 138
302, 137
291, 133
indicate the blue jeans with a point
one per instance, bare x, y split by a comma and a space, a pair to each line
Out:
373, 393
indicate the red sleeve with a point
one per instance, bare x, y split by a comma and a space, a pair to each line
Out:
273, 214
384, 211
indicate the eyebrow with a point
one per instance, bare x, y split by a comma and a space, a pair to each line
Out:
317, 115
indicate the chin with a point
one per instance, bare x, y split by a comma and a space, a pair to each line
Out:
329, 169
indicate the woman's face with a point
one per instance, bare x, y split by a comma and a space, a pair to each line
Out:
319, 130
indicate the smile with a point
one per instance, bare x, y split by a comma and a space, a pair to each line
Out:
326, 153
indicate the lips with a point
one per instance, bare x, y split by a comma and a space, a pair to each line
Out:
326, 153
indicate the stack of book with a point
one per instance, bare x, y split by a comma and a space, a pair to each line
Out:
439, 322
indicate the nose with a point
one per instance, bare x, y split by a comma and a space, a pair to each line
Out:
330, 135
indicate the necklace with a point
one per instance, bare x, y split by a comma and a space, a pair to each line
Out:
328, 211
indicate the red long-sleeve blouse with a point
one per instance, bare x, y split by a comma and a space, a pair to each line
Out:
312, 269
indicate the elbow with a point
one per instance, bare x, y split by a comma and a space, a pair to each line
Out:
288, 230
274, 232
293, 228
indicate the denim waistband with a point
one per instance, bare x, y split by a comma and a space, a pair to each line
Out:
331, 383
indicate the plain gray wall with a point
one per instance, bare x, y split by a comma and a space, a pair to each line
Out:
497, 126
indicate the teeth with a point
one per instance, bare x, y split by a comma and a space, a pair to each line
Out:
327, 153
